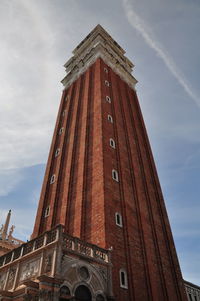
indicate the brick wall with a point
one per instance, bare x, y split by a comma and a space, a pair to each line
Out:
84, 197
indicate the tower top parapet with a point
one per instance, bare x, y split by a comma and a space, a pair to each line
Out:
98, 43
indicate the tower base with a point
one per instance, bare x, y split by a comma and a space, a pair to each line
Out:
56, 266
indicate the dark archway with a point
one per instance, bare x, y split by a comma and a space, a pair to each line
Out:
64, 293
83, 293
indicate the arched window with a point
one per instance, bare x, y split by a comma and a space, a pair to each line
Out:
123, 278
47, 211
67, 98
61, 131
64, 293
53, 178
118, 219
105, 70
115, 175
110, 119
107, 83
57, 152
64, 112
108, 99
112, 143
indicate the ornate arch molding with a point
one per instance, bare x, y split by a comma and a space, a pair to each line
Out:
77, 272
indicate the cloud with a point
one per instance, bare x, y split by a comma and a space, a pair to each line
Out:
10, 178
28, 103
138, 23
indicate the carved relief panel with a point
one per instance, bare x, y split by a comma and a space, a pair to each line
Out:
29, 270
47, 262
2, 280
11, 278
77, 272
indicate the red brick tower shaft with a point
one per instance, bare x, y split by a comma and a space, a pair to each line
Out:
101, 181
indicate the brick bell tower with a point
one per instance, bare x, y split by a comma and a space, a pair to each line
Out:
101, 182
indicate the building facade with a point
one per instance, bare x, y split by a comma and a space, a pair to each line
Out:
101, 230
7, 241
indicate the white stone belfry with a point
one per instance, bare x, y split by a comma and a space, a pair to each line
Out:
98, 44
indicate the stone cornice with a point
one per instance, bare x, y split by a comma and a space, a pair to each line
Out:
98, 44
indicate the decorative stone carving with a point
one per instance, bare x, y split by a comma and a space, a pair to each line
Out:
103, 272
84, 273
48, 262
194, 291
29, 270
71, 275
96, 284
2, 281
11, 278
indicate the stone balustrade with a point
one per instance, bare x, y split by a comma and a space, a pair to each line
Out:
76, 245
69, 243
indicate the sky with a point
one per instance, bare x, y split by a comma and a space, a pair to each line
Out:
162, 39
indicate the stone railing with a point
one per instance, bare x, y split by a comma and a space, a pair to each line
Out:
31, 246
192, 291
81, 247
69, 243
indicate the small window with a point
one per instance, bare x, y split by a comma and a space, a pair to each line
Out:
108, 99
110, 119
64, 112
107, 83
57, 152
67, 98
115, 175
52, 180
118, 219
123, 278
112, 143
61, 131
47, 211
105, 70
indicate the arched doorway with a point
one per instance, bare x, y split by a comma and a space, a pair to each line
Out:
83, 293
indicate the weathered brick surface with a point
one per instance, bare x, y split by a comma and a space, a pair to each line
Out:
85, 198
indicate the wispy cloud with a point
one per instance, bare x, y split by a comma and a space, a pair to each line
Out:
138, 24
9, 180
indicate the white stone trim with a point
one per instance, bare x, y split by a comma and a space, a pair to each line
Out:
118, 223
98, 44
108, 99
112, 143
125, 284
52, 179
110, 119
115, 175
